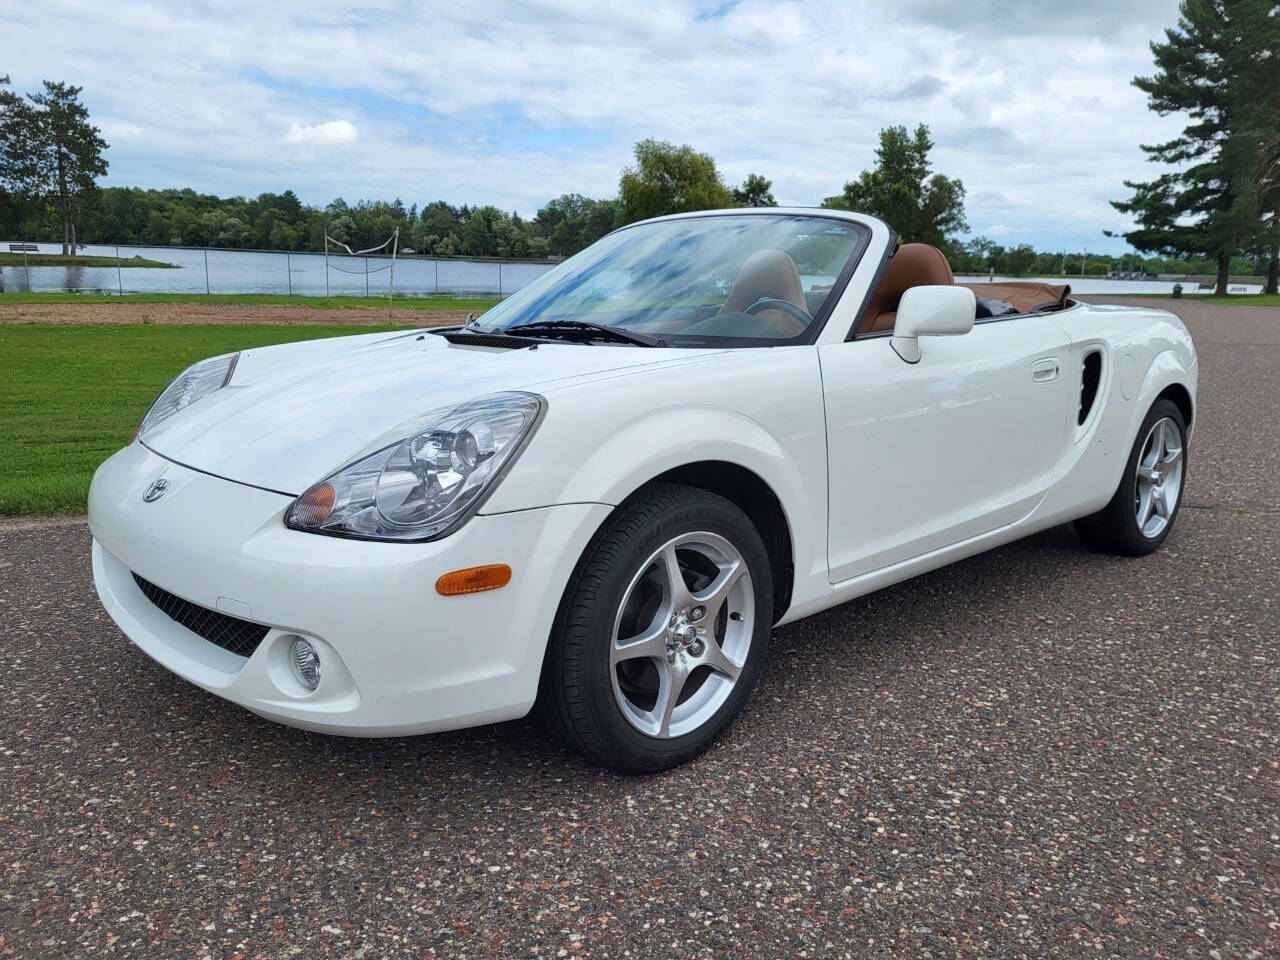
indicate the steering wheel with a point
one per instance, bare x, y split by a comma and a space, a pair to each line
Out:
786, 306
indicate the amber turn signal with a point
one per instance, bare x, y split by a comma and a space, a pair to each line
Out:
491, 576
315, 505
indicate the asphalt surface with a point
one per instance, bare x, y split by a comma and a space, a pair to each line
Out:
1038, 752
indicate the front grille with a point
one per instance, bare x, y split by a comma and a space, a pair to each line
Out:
230, 633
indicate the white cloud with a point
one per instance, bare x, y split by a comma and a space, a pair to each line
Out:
513, 103
331, 134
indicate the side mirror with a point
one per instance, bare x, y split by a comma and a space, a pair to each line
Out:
936, 311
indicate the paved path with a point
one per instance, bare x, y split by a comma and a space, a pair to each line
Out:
1038, 752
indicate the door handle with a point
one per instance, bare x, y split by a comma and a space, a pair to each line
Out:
1045, 371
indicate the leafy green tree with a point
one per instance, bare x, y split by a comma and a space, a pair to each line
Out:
571, 222
234, 233
900, 191
437, 221
342, 228
756, 191
477, 233
1020, 260
669, 179
49, 151
1218, 65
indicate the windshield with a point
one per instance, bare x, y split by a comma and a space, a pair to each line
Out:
731, 280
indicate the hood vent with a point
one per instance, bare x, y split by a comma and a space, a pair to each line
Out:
468, 339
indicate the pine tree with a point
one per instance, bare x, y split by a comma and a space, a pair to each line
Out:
50, 152
1218, 65
1268, 189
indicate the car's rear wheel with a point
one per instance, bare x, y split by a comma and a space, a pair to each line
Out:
1142, 512
661, 632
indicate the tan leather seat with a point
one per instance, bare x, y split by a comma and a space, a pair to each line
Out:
769, 274
914, 265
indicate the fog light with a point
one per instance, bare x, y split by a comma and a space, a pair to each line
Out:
305, 662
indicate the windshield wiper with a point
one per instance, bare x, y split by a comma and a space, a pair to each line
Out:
588, 330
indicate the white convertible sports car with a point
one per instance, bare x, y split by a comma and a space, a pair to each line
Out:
599, 497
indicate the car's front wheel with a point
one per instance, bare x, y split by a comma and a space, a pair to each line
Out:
661, 632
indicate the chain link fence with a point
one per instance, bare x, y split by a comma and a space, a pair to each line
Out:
112, 269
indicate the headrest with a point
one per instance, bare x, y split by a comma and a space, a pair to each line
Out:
766, 273
914, 265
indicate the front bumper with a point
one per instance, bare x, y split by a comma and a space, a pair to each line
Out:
396, 657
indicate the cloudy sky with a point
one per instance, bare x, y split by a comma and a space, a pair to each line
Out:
512, 103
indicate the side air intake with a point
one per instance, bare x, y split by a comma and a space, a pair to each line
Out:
1090, 377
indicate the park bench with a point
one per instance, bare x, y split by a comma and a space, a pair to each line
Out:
23, 248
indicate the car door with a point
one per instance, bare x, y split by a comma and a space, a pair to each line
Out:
925, 455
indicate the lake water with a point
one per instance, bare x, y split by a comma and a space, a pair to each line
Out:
254, 271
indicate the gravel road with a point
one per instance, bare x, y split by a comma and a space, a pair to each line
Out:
1039, 752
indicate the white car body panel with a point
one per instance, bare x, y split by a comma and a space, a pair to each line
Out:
883, 470
967, 441
287, 419
420, 663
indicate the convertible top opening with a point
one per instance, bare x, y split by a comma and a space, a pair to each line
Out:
919, 264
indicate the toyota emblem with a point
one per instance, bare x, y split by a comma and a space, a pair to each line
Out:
156, 490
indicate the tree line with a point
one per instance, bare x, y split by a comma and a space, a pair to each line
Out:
664, 179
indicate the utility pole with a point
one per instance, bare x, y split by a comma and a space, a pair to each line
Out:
391, 284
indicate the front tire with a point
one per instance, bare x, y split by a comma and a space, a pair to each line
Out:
661, 632
1141, 514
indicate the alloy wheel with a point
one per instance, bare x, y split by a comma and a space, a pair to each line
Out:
1160, 467
682, 634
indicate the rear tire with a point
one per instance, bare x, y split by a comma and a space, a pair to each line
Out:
1142, 512
643, 673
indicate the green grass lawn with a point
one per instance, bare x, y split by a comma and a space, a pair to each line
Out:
58, 260
71, 395
319, 303
1231, 300
1240, 300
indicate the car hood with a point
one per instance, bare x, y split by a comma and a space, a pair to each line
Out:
292, 414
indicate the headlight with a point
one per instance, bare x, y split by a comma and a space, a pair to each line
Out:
434, 475
198, 380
